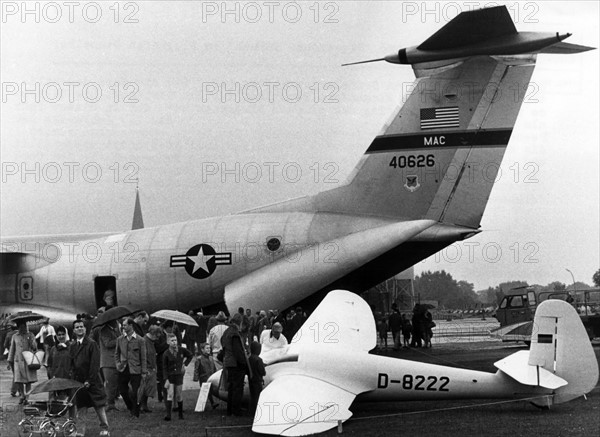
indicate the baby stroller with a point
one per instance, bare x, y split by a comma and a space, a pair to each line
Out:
50, 418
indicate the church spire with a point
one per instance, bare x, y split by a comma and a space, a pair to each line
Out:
138, 221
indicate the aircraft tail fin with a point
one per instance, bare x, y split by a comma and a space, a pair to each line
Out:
561, 357
439, 155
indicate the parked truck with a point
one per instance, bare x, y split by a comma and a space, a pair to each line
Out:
516, 311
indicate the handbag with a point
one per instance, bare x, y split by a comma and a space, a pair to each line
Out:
33, 360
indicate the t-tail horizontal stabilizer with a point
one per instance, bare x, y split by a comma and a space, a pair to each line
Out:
561, 356
482, 32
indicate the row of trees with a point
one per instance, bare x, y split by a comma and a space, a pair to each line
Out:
442, 287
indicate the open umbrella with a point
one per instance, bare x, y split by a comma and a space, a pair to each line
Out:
25, 316
175, 316
115, 313
55, 384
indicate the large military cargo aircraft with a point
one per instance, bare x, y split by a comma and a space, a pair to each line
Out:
422, 184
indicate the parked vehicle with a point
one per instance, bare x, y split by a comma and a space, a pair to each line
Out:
517, 309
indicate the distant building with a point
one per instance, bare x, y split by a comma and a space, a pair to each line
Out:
398, 289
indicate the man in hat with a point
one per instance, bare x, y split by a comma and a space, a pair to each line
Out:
273, 338
214, 338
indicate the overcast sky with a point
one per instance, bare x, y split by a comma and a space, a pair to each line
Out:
218, 111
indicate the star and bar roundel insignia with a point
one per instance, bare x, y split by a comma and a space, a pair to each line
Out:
201, 261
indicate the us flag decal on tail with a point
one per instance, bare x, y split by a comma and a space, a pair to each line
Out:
436, 118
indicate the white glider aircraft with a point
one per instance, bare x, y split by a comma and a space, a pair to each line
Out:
311, 383
422, 185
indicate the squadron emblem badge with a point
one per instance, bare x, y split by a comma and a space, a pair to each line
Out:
412, 183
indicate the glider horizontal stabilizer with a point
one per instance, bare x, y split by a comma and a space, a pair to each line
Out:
517, 367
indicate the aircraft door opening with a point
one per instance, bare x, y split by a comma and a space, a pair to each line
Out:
103, 285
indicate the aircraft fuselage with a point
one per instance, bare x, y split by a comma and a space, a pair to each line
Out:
182, 265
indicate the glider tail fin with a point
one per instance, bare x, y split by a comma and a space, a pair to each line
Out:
560, 344
561, 357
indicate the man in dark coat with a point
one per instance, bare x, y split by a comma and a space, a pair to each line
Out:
85, 361
235, 364
202, 328
191, 334
298, 320
395, 325
148, 385
160, 346
108, 335
141, 323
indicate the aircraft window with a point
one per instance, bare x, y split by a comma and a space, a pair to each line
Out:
516, 301
273, 244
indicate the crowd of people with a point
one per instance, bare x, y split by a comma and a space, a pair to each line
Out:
415, 331
138, 358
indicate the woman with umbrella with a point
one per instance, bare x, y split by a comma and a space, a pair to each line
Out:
22, 341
